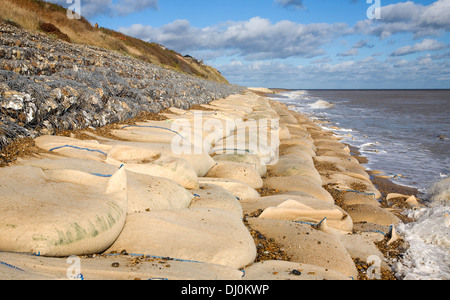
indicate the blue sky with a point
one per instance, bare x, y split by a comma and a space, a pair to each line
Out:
303, 44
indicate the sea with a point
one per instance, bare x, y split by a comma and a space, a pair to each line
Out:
405, 134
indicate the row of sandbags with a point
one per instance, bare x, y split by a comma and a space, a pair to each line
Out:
133, 193
303, 216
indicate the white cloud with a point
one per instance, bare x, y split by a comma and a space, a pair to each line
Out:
370, 72
257, 38
409, 17
351, 52
425, 45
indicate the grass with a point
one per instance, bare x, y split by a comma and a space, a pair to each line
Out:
32, 14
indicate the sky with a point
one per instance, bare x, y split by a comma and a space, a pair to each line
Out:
296, 44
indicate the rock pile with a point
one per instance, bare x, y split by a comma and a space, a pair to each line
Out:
47, 85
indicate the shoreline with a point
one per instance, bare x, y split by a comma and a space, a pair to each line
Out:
274, 219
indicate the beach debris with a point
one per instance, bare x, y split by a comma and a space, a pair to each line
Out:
392, 235
413, 203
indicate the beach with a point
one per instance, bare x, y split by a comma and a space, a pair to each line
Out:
240, 188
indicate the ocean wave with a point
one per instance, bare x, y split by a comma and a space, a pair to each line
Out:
321, 104
428, 237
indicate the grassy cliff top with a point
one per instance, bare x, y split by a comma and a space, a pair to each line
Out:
52, 19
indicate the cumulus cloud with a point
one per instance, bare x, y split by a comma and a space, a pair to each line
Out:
362, 44
425, 45
257, 38
92, 8
409, 17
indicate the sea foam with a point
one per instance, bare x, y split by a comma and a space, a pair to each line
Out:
428, 255
321, 104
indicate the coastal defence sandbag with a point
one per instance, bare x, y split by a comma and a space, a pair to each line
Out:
300, 243
176, 169
70, 147
235, 170
127, 151
173, 168
60, 212
155, 193
343, 182
135, 152
214, 196
144, 192
288, 165
244, 158
371, 214
238, 188
100, 268
298, 183
201, 234
315, 211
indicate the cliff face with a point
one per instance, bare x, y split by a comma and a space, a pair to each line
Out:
47, 84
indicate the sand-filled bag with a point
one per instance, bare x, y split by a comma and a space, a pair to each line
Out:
137, 134
347, 163
214, 196
310, 211
346, 183
304, 244
284, 133
291, 165
266, 149
244, 158
201, 234
150, 193
247, 173
145, 192
176, 169
298, 183
70, 147
110, 267
202, 129
150, 131
135, 152
296, 149
238, 188
60, 212
297, 152
296, 140
371, 214
173, 168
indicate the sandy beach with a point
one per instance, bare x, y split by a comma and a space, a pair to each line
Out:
241, 188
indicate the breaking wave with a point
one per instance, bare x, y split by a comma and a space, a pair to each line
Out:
321, 104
